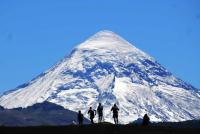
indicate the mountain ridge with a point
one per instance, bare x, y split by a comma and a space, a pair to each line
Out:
39, 114
107, 69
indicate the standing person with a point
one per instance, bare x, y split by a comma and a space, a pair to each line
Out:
80, 118
115, 110
100, 112
146, 120
92, 113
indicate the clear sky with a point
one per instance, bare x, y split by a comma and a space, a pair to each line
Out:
35, 34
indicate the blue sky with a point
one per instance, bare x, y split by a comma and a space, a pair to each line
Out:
35, 34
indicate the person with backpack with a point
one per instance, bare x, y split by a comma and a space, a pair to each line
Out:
115, 110
92, 114
100, 112
80, 118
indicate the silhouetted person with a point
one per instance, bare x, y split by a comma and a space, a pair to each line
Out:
100, 112
115, 110
92, 113
80, 118
146, 120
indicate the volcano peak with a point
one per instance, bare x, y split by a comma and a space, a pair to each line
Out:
108, 69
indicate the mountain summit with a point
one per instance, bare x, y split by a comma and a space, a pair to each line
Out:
107, 40
107, 69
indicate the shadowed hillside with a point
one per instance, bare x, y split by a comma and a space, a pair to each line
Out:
45, 113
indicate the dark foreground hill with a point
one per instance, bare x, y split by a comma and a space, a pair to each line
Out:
184, 124
45, 113
100, 129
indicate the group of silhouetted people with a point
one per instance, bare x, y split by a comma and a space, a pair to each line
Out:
92, 112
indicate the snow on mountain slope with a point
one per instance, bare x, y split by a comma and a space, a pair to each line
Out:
107, 69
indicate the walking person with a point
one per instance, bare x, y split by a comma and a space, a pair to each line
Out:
80, 118
91, 113
115, 110
100, 112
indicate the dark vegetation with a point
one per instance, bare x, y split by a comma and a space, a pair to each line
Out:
45, 113
104, 128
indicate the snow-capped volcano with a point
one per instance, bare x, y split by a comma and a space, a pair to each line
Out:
107, 69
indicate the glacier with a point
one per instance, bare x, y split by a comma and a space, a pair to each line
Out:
108, 69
